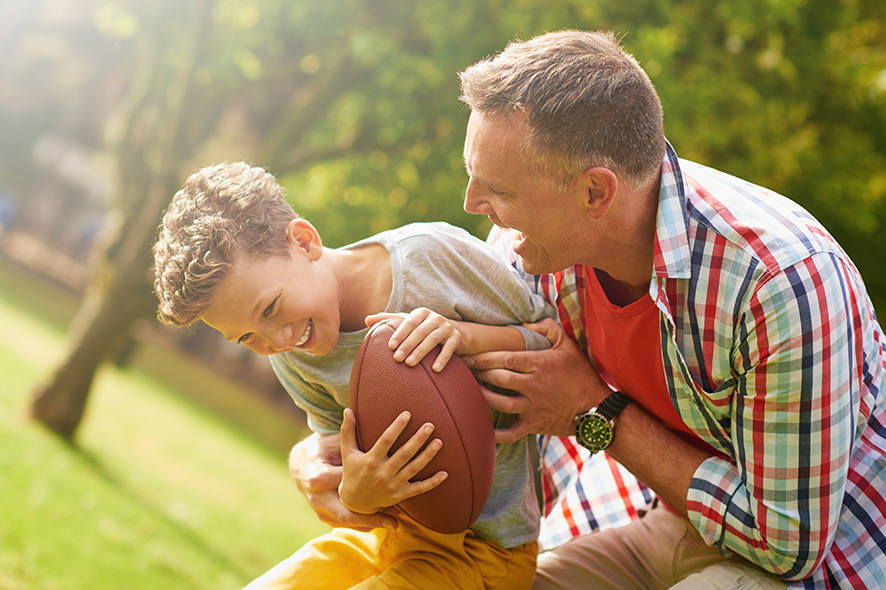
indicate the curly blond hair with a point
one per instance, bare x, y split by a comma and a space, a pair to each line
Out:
589, 103
222, 211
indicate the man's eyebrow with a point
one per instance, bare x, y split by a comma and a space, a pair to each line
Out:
494, 188
473, 176
485, 182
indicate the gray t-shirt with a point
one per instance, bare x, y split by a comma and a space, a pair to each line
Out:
449, 271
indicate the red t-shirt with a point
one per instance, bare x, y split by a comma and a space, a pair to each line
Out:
626, 345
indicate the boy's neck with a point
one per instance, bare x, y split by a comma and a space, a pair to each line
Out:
364, 282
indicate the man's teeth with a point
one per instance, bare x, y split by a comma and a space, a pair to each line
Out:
305, 335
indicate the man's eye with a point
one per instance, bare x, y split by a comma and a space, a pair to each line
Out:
244, 338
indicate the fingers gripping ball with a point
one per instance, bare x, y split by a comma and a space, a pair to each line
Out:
451, 400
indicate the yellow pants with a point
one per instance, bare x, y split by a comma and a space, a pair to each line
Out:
408, 557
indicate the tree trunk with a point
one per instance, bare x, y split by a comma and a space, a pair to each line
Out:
120, 292
98, 331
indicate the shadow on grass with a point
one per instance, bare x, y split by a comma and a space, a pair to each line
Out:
94, 463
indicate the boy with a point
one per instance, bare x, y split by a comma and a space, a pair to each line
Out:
233, 253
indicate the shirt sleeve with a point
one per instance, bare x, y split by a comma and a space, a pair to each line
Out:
542, 288
797, 393
460, 276
324, 414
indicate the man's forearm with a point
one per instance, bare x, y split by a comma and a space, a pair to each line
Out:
655, 455
315, 465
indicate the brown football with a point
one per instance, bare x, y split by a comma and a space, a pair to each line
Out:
381, 388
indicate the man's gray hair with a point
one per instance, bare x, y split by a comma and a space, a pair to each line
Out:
589, 103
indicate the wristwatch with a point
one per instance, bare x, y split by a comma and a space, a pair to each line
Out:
595, 428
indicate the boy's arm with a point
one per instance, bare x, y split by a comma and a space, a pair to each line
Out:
421, 330
484, 337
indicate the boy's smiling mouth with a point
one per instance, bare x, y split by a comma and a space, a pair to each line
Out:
305, 336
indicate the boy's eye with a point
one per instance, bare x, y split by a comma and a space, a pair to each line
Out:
244, 338
269, 309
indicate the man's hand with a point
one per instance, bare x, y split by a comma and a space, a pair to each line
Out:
315, 465
379, 478
554, 384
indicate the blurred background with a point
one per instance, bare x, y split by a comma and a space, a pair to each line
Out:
138, 456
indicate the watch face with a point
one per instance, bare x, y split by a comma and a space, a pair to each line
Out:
594, 432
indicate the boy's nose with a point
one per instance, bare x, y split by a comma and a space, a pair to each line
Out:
281, 339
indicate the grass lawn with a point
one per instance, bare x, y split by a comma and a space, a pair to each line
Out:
158, 493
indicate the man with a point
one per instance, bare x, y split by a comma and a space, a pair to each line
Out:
737, 360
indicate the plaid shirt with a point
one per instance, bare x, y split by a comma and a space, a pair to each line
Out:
582, 493
773, 356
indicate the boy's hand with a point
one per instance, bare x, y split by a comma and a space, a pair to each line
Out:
372, 481
315, 465
419, 332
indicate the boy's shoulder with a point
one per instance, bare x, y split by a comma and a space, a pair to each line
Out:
428, 236
432, 230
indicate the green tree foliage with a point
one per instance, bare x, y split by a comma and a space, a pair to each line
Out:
353, 103
789, 95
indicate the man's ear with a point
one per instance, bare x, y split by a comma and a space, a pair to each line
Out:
600, 186
305, 238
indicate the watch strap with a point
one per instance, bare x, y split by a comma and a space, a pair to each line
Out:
612, 406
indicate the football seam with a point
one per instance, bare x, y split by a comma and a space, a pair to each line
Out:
458, 429
355, 389
429, 375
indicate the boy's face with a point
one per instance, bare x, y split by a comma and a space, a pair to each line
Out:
276, 304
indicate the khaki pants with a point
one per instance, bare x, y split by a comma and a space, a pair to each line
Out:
660, 550
409, 557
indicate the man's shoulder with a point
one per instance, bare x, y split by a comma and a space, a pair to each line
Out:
750, 220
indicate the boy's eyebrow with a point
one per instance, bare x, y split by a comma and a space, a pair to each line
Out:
252, 313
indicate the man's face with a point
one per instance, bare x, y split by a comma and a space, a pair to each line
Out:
503, 186
276, 304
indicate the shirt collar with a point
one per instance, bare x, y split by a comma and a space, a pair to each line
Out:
671, 255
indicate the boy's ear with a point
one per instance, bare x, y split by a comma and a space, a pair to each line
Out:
600, 185
303, 236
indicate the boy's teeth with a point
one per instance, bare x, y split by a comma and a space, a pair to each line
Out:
305, 335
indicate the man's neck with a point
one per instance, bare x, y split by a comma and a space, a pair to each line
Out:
628, 262
620, 293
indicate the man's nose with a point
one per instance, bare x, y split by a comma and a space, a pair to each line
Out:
473, 198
